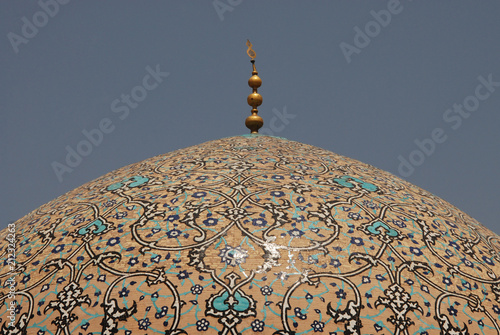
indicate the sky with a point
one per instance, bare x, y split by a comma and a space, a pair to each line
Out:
409, 87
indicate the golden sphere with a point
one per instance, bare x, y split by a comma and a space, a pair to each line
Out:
254, 122
254, 81
254, 99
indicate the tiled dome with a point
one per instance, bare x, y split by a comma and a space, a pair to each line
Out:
251, 234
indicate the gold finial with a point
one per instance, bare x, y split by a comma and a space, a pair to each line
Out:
254, 122
250, 51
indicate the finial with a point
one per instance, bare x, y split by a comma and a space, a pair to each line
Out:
254, 122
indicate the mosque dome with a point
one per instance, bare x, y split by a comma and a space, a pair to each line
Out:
249, 234
252, 234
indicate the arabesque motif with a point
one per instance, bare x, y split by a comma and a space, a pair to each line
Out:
252, 234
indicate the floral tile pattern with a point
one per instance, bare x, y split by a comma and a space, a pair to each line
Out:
251, 234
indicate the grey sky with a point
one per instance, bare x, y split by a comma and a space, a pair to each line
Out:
395, 86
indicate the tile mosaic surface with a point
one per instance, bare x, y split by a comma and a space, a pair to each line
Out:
251, 234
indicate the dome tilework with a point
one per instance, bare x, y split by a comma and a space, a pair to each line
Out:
251, 234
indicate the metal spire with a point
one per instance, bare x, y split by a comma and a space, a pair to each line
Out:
254, 122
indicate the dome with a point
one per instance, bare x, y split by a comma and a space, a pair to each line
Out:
250, 234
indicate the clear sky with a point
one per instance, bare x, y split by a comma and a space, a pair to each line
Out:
379, 81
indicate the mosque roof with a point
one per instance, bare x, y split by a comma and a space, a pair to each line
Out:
250, 234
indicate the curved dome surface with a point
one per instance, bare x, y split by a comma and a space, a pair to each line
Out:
251, 234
